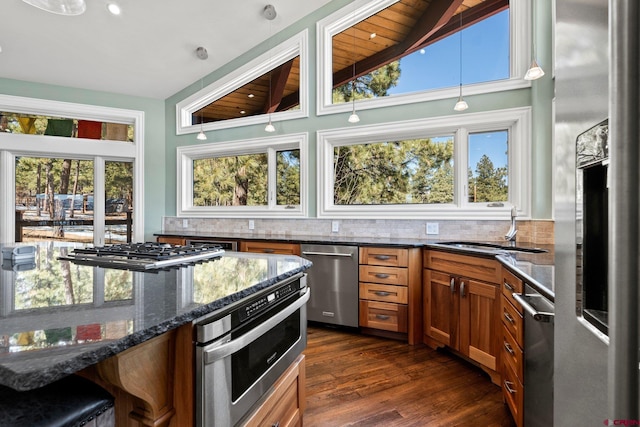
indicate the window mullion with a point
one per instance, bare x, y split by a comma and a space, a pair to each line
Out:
271, 177
460, 155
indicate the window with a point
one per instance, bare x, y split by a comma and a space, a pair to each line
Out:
56, 180
258, 178
399, 54
276, 82
453, 167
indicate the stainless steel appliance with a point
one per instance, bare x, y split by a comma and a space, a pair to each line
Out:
227, 245
242, 350
143, 256
538, 357
596, 77
334, 281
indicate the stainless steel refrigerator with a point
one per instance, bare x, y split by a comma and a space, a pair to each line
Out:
596, 94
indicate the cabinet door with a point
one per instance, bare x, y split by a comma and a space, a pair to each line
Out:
441, 308
479, 322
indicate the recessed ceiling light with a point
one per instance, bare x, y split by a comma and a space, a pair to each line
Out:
114, 9
251, 95
373, 36
243, 112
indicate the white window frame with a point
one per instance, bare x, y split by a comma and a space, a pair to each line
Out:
278, 55
186, 156
519, 56
518, 123
13, 145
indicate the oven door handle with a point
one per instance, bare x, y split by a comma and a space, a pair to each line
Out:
215, 351
540, 316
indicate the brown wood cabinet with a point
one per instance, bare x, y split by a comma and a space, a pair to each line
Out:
461, 305
284, 406
390, 292
171, 240
267, 247
512, 346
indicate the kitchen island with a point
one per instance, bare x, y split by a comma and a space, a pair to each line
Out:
123, 329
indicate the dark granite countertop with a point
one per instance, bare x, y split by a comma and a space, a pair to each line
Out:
57, 317
535, 268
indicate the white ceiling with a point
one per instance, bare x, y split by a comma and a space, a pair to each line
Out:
149, 50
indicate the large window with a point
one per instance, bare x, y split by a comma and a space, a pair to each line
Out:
393, 52
258, 178
84, 188
462, 167
275, 85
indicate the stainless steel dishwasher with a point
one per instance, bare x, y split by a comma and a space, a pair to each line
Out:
333, 280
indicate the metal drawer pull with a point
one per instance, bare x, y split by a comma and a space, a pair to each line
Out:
509, 318
382, 317
540, 316
509, 348
268, 251
507, 385
382, 293
326, 254
382, 275
276, 424
382, 257
462, 289
453, 285
508, 286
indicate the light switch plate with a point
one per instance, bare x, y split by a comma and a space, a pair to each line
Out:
252, 225
432, 228
335, 226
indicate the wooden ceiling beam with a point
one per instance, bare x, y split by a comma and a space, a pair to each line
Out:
469, 17
435, 17
278, 83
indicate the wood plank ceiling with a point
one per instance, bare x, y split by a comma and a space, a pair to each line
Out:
400, 29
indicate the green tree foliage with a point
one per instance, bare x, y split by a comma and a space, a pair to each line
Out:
375, 84
489, 183
288, 177
397, 172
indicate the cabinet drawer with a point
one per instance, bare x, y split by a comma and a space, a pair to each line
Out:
389, 257
284, 406
171, 240
510, 284
386, 275
513, 391
383, 315
485, 269
512, 321
512, 353
385, 293
270, 247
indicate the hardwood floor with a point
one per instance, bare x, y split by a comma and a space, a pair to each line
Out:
358, 380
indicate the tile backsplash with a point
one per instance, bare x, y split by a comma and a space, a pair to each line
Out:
530, 231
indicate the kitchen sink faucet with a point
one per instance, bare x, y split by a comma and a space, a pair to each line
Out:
511, 234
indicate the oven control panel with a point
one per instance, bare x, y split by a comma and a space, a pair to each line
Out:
259, 305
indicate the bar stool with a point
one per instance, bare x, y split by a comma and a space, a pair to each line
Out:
69, 402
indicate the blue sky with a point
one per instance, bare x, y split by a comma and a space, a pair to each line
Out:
485, 52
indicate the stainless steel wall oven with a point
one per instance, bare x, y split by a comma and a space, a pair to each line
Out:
243, 350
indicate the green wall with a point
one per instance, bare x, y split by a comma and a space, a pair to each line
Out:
539, 97
154, 159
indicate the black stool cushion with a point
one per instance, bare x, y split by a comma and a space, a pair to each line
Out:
71, 401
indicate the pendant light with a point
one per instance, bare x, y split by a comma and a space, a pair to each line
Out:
202, 53
535, 71
354, 118
60, 7
461, 105
269, 12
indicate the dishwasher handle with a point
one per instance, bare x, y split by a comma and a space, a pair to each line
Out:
540, 316
327, 254
217, 351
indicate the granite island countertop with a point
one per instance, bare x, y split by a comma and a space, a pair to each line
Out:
57, 317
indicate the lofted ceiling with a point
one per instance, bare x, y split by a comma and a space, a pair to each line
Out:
400, 29
148, 51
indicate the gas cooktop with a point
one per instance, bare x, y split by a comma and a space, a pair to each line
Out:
144, 256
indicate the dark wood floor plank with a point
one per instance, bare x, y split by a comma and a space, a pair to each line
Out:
356, 380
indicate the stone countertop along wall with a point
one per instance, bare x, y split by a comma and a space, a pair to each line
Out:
529, 231
51, 327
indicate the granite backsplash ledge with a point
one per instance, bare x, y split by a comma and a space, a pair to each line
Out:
530, 231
